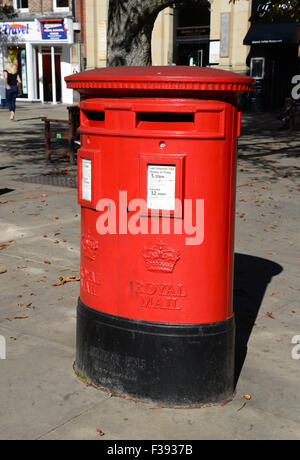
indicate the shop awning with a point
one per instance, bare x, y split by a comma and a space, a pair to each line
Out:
272, 34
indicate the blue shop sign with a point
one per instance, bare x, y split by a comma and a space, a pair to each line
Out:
15, 29
53, 31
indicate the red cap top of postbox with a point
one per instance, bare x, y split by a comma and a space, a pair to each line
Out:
160, 79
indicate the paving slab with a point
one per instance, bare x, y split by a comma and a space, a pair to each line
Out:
41, 398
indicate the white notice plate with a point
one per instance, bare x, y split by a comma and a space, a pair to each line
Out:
161, 187
86, 184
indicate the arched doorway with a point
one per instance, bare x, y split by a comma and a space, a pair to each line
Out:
191, 33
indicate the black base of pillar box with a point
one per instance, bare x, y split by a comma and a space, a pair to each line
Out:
173, 364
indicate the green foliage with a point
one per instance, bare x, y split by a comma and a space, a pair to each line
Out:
278, 9
281, 9
6, 12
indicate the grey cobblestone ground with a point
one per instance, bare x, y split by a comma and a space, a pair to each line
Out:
41, 398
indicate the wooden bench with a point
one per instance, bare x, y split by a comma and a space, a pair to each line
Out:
58, 132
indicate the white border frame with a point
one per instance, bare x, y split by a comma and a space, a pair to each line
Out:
21, 10
59, 9
261, 59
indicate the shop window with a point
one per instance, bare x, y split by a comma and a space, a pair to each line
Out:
61, 5
21, 5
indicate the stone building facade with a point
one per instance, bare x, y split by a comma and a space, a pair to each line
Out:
44, 38
208, 34
213, 31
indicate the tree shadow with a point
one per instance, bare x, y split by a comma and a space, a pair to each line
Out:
269, 149
26, 148
4, 191
18, 120
251, 278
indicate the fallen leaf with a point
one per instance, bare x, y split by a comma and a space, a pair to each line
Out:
47, 262
3, 271
270, 315
242, 407
72, 297
248, 397
67, 279
101, 433
17, 317
274, 293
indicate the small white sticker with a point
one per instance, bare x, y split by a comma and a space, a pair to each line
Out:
86, 185
161, 187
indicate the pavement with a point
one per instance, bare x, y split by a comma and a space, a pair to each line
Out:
41, 398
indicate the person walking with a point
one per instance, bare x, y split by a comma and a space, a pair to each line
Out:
12, 80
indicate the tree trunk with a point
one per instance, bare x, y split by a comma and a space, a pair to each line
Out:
130, 25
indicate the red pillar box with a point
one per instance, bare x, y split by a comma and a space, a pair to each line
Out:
156, 182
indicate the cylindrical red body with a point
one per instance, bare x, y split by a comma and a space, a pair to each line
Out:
117, 275
156, 181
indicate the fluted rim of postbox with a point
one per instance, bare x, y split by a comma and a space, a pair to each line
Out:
167, 78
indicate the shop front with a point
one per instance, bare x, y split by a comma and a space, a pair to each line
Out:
273, 57
192, 34
43, 51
